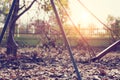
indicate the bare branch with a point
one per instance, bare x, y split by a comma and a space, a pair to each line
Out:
22, 7
26, 9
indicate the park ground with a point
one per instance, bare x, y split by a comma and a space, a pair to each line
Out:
37, 64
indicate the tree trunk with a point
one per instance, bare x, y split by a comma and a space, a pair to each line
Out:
12, 46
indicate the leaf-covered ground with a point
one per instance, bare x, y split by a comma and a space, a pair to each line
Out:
37, 64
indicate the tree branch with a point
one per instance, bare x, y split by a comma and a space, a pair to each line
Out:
26, 9
22, 7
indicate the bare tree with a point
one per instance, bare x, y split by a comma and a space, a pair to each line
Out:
18, 11
12, 46
114, 23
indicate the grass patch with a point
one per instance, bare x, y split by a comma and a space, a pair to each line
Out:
32, 41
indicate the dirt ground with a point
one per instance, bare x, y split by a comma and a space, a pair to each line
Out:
37, 64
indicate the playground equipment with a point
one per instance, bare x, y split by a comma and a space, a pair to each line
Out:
97, 57
66, 41
109, 48
105, 51
61, 27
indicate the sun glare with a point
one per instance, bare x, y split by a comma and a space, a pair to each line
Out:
79, 16
85, 16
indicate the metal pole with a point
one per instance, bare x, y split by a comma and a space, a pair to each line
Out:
66, 41
105, 51
7, 20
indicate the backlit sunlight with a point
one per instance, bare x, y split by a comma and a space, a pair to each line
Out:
79, 15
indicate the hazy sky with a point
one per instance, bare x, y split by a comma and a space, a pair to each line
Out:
101, 8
